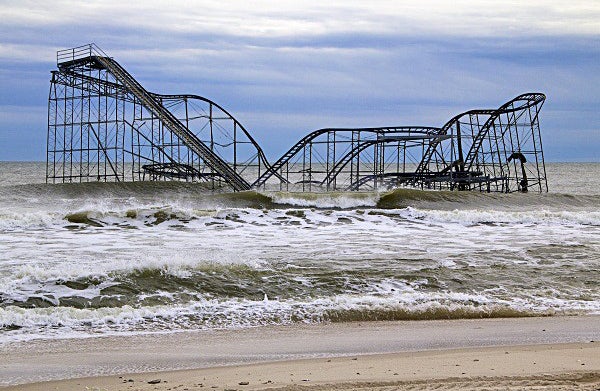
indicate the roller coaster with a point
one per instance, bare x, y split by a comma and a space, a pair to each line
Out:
103, 125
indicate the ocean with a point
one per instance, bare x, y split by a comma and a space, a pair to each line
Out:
96, 259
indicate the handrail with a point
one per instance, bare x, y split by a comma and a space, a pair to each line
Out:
79, 52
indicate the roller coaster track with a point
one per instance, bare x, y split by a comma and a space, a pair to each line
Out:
104, 125
433, 147
408, 133
275, 167
531, 99
286, 157
97, 58
123, 93
507, 108
261, 155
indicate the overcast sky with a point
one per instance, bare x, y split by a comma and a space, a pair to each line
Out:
284, 68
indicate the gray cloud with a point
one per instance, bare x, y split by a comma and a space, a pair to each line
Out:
289, 69
289, 18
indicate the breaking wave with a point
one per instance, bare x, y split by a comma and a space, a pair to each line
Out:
112, 258
209, 314
150, 204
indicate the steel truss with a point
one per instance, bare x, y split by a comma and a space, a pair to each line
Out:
104, 126
496, 150
352, 159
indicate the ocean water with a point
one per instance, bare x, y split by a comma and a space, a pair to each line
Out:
83, 260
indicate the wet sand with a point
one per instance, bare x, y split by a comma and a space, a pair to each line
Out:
526, 353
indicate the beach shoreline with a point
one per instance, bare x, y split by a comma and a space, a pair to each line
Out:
539, 367
341, 356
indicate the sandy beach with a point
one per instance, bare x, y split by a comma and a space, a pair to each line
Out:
525, 353
539, 367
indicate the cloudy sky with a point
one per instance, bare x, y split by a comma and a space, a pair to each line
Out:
284, 68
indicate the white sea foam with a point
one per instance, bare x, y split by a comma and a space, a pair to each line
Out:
236, 313
477, 216
326, 200
167, 262
132, 212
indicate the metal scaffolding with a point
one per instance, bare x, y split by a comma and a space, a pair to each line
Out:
103, 125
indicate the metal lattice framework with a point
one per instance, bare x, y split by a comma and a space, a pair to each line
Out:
352, 159
489, 150
103, 125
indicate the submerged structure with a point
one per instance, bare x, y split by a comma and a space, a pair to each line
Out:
103, 125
